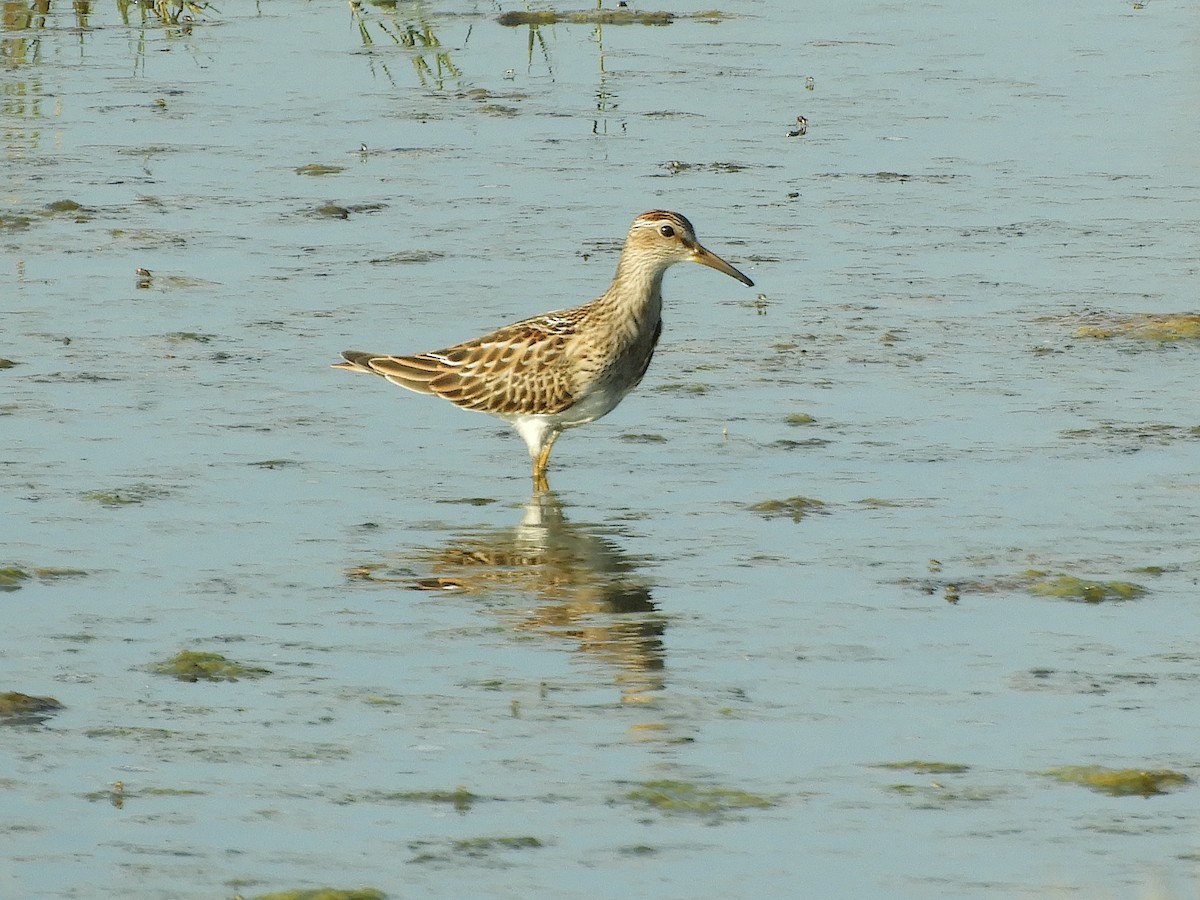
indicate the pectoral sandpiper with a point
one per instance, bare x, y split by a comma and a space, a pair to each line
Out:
564, 368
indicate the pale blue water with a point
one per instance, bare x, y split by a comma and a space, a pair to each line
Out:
658, 629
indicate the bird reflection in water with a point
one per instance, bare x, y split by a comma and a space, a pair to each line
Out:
570, 582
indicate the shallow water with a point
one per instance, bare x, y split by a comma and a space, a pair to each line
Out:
974, 186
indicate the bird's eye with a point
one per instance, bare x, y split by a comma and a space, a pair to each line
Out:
667, 231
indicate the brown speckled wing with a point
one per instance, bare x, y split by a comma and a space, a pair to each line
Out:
517, 369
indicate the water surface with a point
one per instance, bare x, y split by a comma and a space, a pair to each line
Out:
470, 689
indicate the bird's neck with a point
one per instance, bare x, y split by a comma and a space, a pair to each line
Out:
636, 290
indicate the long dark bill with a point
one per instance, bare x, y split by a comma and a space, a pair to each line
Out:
706, 258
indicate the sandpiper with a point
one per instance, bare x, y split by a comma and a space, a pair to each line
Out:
564, 368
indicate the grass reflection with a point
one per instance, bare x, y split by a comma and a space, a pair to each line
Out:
415, 34
163, 12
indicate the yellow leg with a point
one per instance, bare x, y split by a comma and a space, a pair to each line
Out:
539, 466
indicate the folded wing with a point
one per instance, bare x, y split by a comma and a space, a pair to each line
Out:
519, 369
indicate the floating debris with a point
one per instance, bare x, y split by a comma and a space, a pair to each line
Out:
801, 128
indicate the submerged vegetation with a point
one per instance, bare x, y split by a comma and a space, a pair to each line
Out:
133, 495
476, 848
17, 708
794, 508
622, 16
688, 798
460, 798
924, 767
324, 893
13, 577
1041, 584
1164, 327
1068, 587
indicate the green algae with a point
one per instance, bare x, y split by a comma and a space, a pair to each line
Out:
407, 258
644, 438
476, 848
7, 363
124, 793
331, 211
925, 767
1041, 584
13, 577
785, 444
799, 419
460, 798
131, 732
693, 388
1134, 435
319, 169
1162, 327
794, 508
16, 707
1120, 782
193, 665
134, 495
481, 845
938, 796
590, 17
54, 573
59, 206
275, 463
687, 798
1080, 590
324, 893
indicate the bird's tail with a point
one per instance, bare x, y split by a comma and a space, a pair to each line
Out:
357, 361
